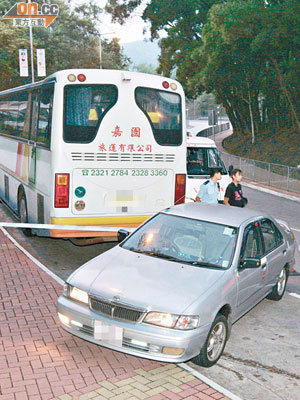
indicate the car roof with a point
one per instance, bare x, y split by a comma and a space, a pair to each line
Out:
217, 213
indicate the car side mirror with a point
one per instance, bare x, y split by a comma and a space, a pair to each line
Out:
250, 263
122, 234
230, 169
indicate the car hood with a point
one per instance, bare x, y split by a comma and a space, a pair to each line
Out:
144, 281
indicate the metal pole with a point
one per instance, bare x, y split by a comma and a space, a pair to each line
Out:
288, 180
31, 49
100, 51
100, 46
194, 109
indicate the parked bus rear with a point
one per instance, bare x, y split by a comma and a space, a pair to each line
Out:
118, 148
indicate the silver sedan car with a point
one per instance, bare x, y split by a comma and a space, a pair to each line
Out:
173, 288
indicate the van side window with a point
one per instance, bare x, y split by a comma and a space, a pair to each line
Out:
201, 159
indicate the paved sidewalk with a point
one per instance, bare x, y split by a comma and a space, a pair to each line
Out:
39, 360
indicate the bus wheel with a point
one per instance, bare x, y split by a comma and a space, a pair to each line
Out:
24, 215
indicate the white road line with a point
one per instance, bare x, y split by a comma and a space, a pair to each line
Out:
93, 228
61, 282
295, 295
209, 382
37, 262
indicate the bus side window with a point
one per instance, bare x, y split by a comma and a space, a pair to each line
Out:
23, 106
44, 116
12, 111
3, 114
34, 115
27, 117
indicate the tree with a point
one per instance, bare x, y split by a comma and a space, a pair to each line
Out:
246, 52
262, 41
181, 20
71, 41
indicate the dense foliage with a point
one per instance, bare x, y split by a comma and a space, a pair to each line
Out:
71, 41
247, 52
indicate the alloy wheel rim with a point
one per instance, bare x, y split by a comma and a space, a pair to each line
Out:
281, 282
216, 341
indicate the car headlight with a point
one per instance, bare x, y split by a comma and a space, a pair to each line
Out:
76, 294
174, 321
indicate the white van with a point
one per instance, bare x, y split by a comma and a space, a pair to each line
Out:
202, 154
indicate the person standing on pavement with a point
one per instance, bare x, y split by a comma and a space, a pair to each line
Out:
234, 194
209, 190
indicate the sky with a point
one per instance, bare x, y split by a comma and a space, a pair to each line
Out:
129, 32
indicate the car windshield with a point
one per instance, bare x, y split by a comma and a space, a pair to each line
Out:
195, 242
201, 159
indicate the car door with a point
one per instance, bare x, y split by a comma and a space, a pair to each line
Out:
274, 250
250, 280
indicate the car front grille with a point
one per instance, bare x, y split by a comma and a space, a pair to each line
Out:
115, 311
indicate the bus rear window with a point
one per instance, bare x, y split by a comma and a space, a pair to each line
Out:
84, 109
163, 110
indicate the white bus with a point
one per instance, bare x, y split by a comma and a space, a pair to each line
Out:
202, 154
92, 147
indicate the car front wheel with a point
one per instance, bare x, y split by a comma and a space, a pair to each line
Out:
214, 344
279, 289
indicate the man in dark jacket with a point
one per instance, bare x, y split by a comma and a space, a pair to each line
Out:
234, 195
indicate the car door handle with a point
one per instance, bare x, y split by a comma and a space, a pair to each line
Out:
284, 252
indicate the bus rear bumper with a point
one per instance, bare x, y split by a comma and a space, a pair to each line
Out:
131, 221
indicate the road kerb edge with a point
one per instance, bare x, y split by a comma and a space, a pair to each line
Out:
33, 259
209, 382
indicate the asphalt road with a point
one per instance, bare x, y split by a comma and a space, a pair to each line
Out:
262, 356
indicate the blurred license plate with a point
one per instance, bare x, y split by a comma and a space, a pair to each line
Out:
108, 333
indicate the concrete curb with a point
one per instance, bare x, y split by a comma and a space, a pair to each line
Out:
209, 382
33, 259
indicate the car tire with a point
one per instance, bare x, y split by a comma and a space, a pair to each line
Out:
214, 344
279, 289
23, 214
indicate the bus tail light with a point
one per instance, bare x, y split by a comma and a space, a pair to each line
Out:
179, 188
81, 77
62, 183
